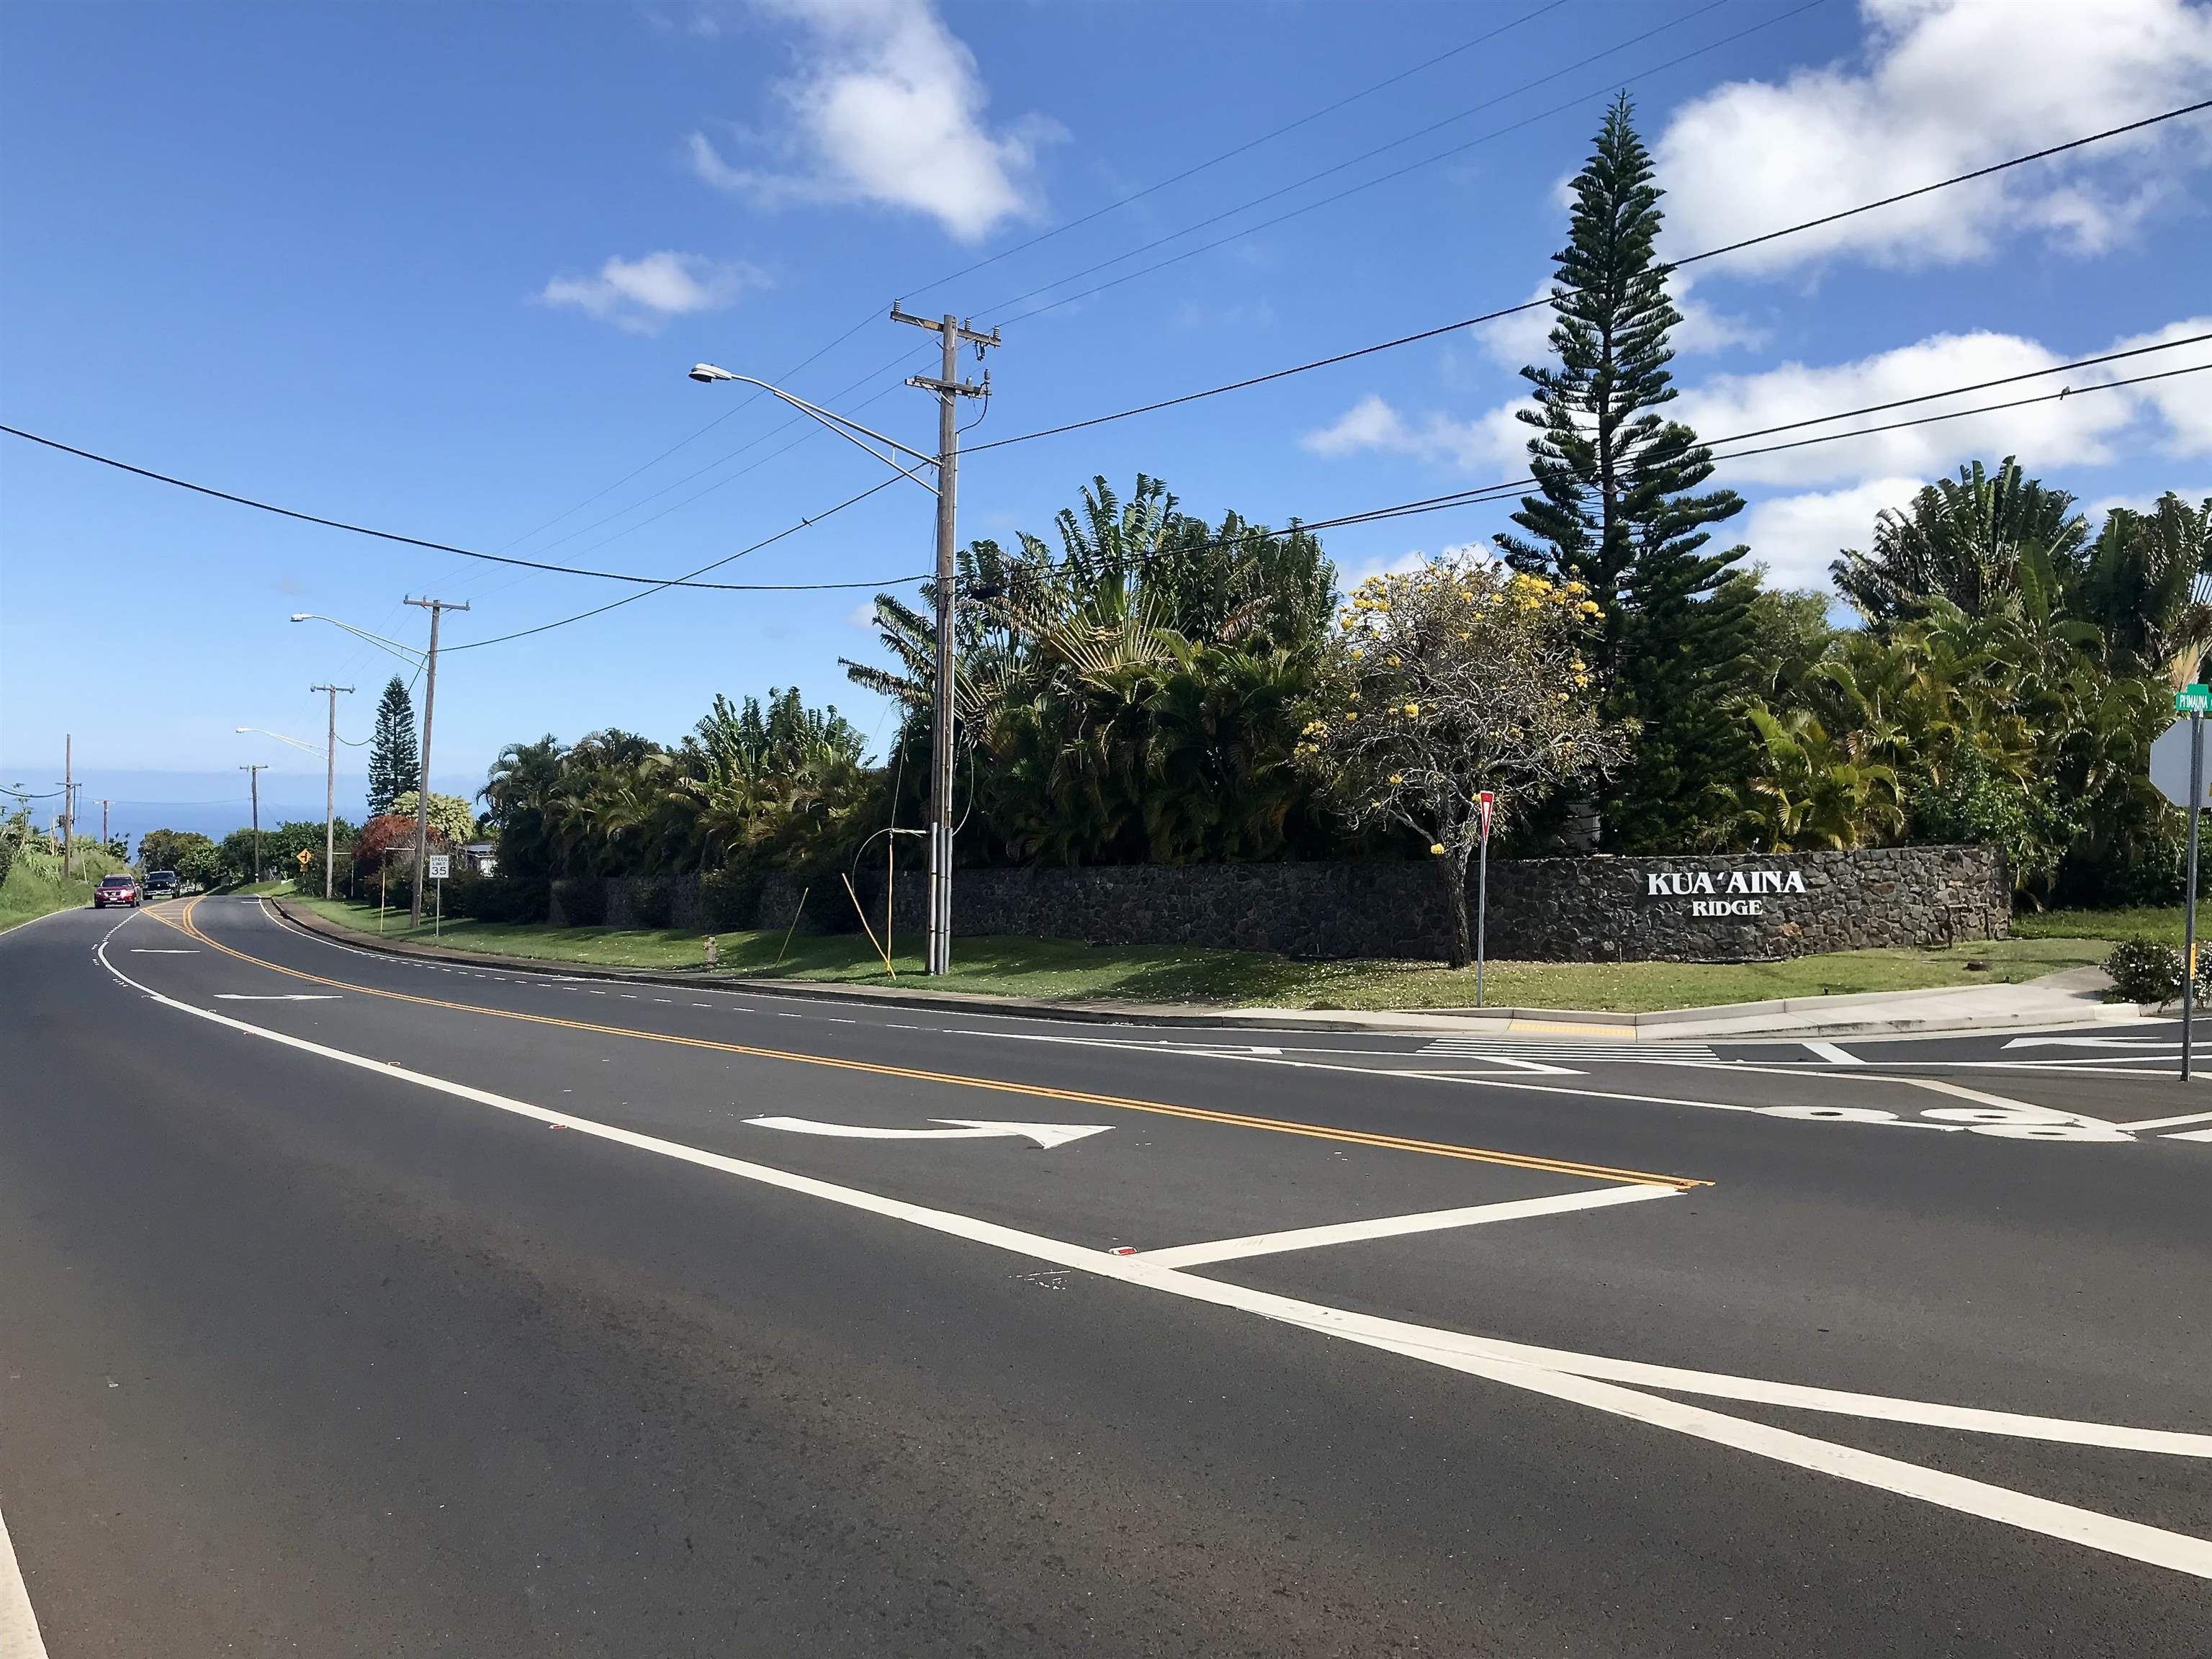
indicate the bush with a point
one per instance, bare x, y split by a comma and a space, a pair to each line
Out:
729, 900
2145, 972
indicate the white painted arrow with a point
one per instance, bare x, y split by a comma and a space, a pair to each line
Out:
964, 1128
2094, 1042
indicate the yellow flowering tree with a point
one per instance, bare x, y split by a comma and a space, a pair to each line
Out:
1448, 680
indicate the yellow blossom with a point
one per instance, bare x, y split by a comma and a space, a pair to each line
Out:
1397, 777
1437, 848
1413, 709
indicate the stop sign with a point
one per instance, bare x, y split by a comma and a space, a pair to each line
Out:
2169, 766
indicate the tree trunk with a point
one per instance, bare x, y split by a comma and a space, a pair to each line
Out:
1454, 865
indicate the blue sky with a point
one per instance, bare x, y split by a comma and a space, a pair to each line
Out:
440, 271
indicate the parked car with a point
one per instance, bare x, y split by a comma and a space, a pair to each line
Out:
163, 884
115, 890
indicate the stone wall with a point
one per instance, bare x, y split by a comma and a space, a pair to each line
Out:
1752, 908
1566, 909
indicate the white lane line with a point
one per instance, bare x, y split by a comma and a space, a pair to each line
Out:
1396, 1226
2169, 1122
2197, 1135
295, 996
1548, 1371
19, 1625
149, 950
1829, 1051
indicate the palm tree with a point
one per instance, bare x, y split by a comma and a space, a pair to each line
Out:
1962, 540
2148, 587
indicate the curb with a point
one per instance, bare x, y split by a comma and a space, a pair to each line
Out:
1625, 1029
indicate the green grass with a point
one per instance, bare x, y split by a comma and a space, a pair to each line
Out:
1066, 969
2142, 925
34, 886
262, 888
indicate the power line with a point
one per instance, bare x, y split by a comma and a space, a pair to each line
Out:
1505, 490
632, 598
1058, 230
1532, 305
1367, 155
1193, 171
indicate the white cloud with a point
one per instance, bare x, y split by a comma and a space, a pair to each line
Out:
1945, 86
862, 616
642, 294
1489, 440
888, 107
2072, 433
2184, 403
1402, 564
1796, 538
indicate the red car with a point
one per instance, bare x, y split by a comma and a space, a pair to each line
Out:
115, 890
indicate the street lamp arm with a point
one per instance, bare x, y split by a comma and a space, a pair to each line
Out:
405, 653
707, 374
280, 737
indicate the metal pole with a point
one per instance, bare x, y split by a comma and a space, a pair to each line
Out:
253, 775
69, 799
2189, 923
330, 785
1482, 908
435, 607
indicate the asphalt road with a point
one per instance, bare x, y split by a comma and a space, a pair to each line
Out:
351, 1305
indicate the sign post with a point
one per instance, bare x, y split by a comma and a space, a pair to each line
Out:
2193, 700
1485, 802
441, 866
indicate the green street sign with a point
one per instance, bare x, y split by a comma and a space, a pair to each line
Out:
2193, 700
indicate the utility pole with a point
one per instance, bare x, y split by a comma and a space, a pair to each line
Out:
68, 798
435, 607
105, 802
331, 784
953, 334
253, 776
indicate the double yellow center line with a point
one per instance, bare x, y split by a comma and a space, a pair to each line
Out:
184, 921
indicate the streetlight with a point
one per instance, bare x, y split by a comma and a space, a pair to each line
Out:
422, 662
406, 653
953, 334
330, 776
280, 738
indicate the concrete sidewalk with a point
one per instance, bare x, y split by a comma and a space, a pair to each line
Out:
2073, 998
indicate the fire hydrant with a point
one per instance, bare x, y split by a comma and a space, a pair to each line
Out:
710, 952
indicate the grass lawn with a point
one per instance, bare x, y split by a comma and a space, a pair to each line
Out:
1067, 970
2144, 924
34, 886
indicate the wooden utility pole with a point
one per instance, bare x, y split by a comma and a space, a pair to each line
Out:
68, 798
422, 786
330, 783
253, 776
953, 334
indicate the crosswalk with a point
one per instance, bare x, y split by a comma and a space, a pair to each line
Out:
1562, 1049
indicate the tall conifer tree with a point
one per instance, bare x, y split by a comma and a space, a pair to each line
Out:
1618, 509
393, 759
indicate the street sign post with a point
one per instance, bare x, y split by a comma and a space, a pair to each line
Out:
1486, 801
438, 866
2177, 768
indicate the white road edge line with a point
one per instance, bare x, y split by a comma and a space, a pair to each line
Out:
19, 1625
1396, 1226
1559, 1374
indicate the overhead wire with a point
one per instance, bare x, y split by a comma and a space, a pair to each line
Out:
1737, 246
997, 310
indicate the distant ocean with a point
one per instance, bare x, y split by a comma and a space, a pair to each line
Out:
212, 802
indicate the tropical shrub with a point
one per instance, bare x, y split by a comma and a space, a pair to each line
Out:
2145, 972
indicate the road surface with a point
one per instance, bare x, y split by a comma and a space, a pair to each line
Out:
353, 1304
